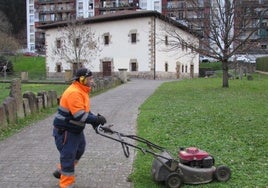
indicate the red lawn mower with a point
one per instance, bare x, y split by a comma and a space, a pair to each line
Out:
193, 166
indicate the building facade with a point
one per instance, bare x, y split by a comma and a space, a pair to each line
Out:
255, 21
140, 48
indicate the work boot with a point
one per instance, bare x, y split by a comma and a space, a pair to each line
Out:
67, 181
57, 174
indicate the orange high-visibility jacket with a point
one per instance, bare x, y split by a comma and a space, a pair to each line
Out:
74, 109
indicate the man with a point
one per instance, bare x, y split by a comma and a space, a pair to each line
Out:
69, 123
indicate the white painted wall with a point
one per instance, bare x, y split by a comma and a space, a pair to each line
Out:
181, 57
120, 48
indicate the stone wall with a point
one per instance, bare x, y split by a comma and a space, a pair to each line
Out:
18, 105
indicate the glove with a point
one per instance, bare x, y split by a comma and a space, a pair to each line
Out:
94, 125
100, 120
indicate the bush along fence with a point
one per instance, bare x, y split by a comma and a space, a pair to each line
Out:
18, 105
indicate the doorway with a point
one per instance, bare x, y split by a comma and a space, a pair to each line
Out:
107, 68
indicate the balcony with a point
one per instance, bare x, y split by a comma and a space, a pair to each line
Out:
114, 5
44, 2
55, 9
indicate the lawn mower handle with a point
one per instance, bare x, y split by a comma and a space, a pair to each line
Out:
106, 131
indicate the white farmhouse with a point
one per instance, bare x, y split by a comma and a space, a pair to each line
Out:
135, 42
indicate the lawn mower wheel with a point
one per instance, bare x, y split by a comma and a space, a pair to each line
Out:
222, 173
173, 180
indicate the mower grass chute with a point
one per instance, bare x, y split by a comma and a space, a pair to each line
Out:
192, 166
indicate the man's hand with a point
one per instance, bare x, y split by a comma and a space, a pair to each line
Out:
95, 126
100, 120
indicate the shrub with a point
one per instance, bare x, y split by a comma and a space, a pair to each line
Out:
262, 64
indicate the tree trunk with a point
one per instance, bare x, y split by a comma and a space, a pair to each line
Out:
225, 77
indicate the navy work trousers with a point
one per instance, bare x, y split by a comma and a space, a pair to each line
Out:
71, 147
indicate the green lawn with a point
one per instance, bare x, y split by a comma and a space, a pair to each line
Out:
230, 124
5, 89
35, 66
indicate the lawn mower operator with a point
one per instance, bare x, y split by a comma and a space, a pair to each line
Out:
72, 116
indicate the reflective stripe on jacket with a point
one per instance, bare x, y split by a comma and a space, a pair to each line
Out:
74, 108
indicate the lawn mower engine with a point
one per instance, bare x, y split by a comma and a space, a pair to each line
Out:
194, 166
195, 157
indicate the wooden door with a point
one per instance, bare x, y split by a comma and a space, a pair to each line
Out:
107, 68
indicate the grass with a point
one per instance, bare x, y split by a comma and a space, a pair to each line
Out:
231, 124
35, 66
35, 88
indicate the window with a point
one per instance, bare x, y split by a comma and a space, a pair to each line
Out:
58, 67
143, 4
133, 38
166, 67
201, 3
77, 42
157, 6
106, 40
166, 40
263, 25
180, 4
32, 47
31, 18
80, 15
32, 38
80, 5
52, 7
264, 46
200, 14
31, 9
32, 28
52, 17
133, 66
180, 15
58, 43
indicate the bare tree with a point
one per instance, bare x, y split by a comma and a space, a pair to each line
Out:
226, 31
77, 44
8, 44
5, 26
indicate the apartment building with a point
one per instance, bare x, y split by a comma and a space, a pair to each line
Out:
42, 12
255, 14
